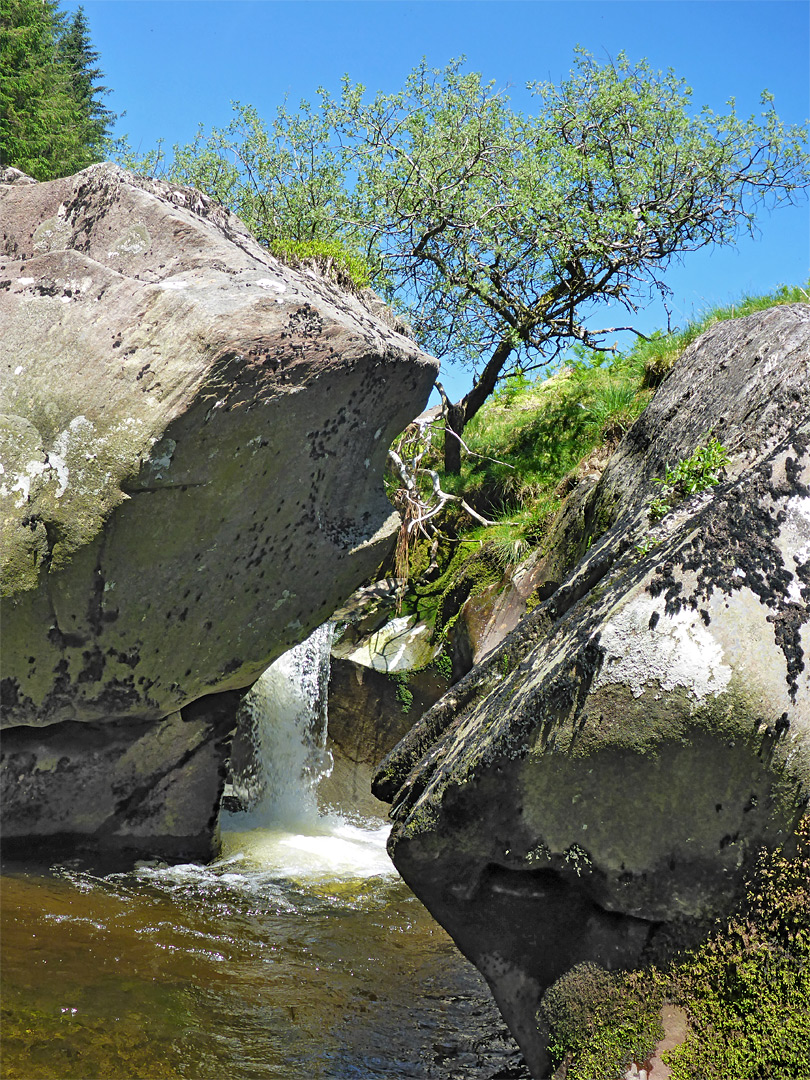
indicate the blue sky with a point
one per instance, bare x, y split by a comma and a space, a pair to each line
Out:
173, 64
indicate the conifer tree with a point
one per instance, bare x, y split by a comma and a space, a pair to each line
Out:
52, 122
76, 52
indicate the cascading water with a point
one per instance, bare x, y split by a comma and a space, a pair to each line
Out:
280, 757
297, 955
283, 722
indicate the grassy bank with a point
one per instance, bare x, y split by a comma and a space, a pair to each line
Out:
533, 435
529, 446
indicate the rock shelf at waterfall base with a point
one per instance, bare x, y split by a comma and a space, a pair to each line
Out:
602, 782
193, 438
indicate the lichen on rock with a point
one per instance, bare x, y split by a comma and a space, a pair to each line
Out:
613, 767
193, 438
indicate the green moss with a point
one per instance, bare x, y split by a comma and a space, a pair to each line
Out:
403, 692
443, 663
601, 1022
464, 573
747, 989
746, 992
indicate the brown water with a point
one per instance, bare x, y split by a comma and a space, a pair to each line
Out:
296, 957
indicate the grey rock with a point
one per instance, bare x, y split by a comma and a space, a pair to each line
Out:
193, 438
610, 771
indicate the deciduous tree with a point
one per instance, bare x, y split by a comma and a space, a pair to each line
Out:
507, 236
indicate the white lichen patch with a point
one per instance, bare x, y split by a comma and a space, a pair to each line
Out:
160, 459
135, 241
59, 465
274, 286
643, 646
285, 596
54, 234
794, 541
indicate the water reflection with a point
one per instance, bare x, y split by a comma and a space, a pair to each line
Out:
277, 961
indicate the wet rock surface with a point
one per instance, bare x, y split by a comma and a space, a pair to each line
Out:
193, 438
608, 773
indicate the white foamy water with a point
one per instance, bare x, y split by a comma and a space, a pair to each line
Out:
299, 953
282, 831
337, 849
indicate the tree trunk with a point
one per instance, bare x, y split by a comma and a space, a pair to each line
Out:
460, 414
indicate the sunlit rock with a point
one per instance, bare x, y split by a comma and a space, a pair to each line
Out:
607, 775
192, 438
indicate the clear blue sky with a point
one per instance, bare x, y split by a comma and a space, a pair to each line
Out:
173, 64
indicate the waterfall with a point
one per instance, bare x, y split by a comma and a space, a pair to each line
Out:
270, 817
280, 747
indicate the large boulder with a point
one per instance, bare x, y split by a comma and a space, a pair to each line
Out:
602, 782
193, 437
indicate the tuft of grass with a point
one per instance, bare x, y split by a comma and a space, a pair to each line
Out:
329, 257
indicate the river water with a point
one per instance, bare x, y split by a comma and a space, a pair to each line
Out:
299, 954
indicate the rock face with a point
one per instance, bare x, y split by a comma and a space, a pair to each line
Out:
379, 686
368, 715
605, 777
193, 437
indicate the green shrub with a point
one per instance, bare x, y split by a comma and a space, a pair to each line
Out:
696, 473
747, 989
602, 1021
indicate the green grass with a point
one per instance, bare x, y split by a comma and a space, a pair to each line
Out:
531, 435
659, 353
532, 440
331, 258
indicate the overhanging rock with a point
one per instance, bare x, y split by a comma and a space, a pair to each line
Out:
193, 438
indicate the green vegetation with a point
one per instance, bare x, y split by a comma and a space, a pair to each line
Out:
529, 447
52, 118
696, 473
330, 257
747, 989
662, 350
444, 665
601, 1021
493, 230
403, 692
746, 992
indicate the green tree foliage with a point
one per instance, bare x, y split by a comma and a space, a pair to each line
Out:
506, 235
76, 53
52, 120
